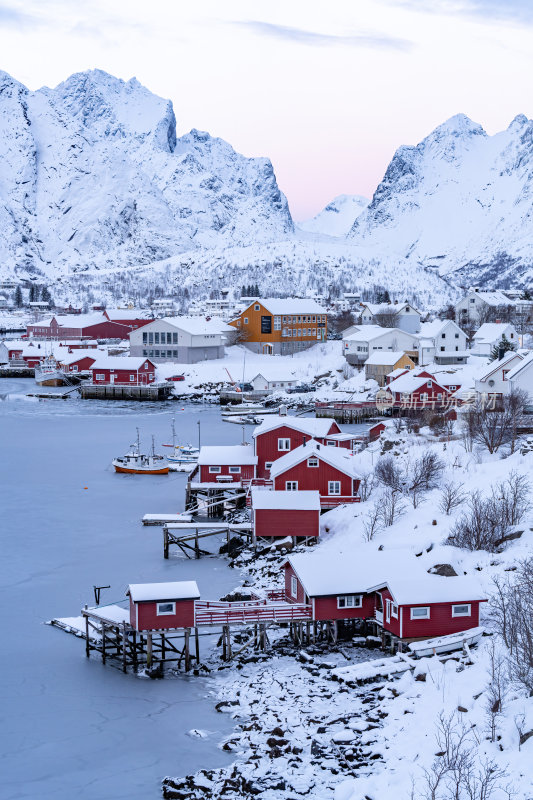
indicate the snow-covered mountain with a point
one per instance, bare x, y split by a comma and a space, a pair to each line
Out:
338, 217
460, 202
93, 175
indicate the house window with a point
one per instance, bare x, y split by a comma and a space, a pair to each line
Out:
504, 374
443, 336
132, 378
246, 320
156, 338
330, 443
394, 610
212, 470
174, 338
312, 462
256, 307
100, 377
422, 612
150, 338
462, 610
456, 335
234, 470
350, 601
334, 487
277, 323
164, 609
145, 337
442, 349
284, 444
452, 388
74, 368
268, 464
429, 384
424, 397
294, 587
291, 486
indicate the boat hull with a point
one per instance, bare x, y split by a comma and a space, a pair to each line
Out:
140, 470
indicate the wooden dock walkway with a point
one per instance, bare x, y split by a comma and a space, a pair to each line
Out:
189, 541
158, 391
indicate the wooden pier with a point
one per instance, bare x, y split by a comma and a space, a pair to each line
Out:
152, 392
212, 498
17, 372
347, 412
189, 541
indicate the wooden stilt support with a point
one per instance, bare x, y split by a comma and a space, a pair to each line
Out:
224, 644
165, 542
197, 643
335, 631
196, 545
187, 649
163, 648
87, 645
149, 651
229, 643
124, 648
102, 629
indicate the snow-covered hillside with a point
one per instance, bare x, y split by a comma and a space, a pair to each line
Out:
460, 202
338, 217
93, 176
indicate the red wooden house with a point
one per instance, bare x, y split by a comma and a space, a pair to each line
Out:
417, 391
281, 514
162, 606
95, 325
314, 466
276, 436
421, 607
78, 361
427, 606
122, 371
220, 464
131, 318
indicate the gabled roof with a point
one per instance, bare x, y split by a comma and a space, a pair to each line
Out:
387, 358
431, 589
317, 428
77, 355
389, 308
429, 330
199, 326
410, 382
338, 457
103, 361
289, 305
494, 366
286, 501
522, 367
495, 298
223, 455
127, 313
177, 590
77, 320
368, 332
492, 331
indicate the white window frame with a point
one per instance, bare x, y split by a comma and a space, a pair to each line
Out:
284, 444
329, 443
268, 464
99, 376
312, 462
350, 601
394, 610
234, 470
420, 616
334, 493
214, 470
461, 605
294, 587
246, 320
257, 307
160, 613
132, 378
291, 486
277, 323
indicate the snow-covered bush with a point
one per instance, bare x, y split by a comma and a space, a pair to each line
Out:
512, 609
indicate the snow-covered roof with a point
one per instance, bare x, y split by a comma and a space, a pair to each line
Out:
495, 298
429, 330
342, 437
77, 355
232, 455
286, 501
128, 313
289, 305
315, 427
397, 372
368, 332
387, 358
175, 590
77, 320
492, 332
199, 326
407, 383
494, 366
388, 308
339, 457
431, 589
524, 365
272, 374
103, 361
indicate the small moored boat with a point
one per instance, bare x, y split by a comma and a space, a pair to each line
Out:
137, 463
446, 644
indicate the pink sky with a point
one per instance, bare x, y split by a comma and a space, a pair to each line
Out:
327, 91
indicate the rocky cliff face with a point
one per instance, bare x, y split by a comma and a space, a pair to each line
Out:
92, 175
460, 202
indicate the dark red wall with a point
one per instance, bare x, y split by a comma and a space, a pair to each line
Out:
82, 364
326, 608
315, 478
122, 376
441, 621
246, 473
149, 621
266, 444
275, 522
289, 572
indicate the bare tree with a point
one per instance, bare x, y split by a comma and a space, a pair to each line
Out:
452, 496
392, 506
388, 473
373, 523
366, 486
495, 427
387, 318
512, 610
424, 476
497, 687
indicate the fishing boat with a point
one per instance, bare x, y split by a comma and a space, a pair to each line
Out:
447, 643
137, 463
48, 373
184, 454
247, 419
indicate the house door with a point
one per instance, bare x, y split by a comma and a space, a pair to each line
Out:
267, 349
387, 611
112, 378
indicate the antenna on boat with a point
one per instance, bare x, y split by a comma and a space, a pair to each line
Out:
153, 446
138, 441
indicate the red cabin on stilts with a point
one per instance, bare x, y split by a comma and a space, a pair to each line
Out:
162, 606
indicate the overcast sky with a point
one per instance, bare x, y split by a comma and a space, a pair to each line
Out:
328, 89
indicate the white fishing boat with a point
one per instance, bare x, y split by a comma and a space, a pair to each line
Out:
247, 419
182, 454
48, 373
137, 463
446, 644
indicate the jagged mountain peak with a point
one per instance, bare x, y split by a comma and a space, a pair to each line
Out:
337, 217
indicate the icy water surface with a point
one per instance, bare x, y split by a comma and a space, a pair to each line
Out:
71, 727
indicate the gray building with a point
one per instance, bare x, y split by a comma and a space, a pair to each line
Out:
186, 340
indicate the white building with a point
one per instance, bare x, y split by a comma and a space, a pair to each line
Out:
183, 339
490, 336
494, 380
406, 317
272, 381
468, 310
442, 342
521, 377
359, 344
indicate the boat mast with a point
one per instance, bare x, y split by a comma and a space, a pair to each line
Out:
138, 441
174, 432
243, 368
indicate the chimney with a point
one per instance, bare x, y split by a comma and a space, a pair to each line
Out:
498, 322
318, 447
